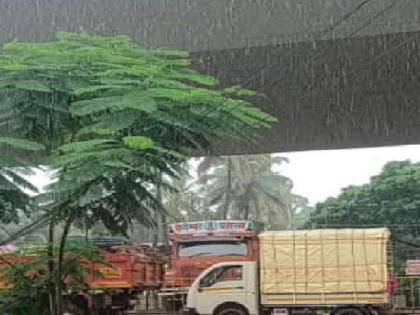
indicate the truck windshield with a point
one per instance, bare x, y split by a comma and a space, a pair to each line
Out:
217, 248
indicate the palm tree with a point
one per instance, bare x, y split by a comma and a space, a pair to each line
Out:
299, 211
186, 203
245, 187
177, 202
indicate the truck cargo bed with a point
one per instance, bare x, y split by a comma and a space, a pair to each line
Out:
329, 267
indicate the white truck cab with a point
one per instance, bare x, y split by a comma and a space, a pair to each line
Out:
227, 288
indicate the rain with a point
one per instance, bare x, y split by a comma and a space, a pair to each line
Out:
151, 128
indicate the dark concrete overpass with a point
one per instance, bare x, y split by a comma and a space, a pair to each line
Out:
337, 73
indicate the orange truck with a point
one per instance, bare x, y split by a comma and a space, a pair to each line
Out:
129, 268
195, 246
129, 271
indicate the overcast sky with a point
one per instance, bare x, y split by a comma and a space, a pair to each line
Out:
320, 174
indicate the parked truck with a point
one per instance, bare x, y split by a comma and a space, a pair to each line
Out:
195, 246
333, 271
129, 271
133, 270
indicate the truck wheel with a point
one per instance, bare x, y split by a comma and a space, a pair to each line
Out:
348, 311
231, 310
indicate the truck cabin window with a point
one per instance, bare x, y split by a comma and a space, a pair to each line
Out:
222, 274
215, 248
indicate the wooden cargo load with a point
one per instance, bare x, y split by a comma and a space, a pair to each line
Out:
331, 266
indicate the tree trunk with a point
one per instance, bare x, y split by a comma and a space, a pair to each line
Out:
246, 212
159, 215
163, 218
60, 261
155, 230
51, 269
257, 210
291, 218
164, 224
228, 190
86, 231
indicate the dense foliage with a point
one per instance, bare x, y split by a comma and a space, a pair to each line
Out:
235, 187
113, 118
29, 280
390, 199
115, 114
247, 187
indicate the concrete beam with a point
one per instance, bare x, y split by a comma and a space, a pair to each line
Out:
338, 95
204, 25
337, 74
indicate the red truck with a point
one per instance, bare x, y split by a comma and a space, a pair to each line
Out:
197, 245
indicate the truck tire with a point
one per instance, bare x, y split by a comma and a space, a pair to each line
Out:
231, 309
348, 311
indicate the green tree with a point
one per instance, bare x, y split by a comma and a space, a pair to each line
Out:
116, 113
177, 202
246, 187
300, 211
391, 199
112, 116
186, 203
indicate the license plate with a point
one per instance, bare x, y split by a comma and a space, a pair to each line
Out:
279, 311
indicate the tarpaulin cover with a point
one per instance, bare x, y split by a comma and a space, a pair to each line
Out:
324, 261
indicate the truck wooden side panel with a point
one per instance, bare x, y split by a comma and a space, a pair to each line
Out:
126, 268
343, 266
117, 275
